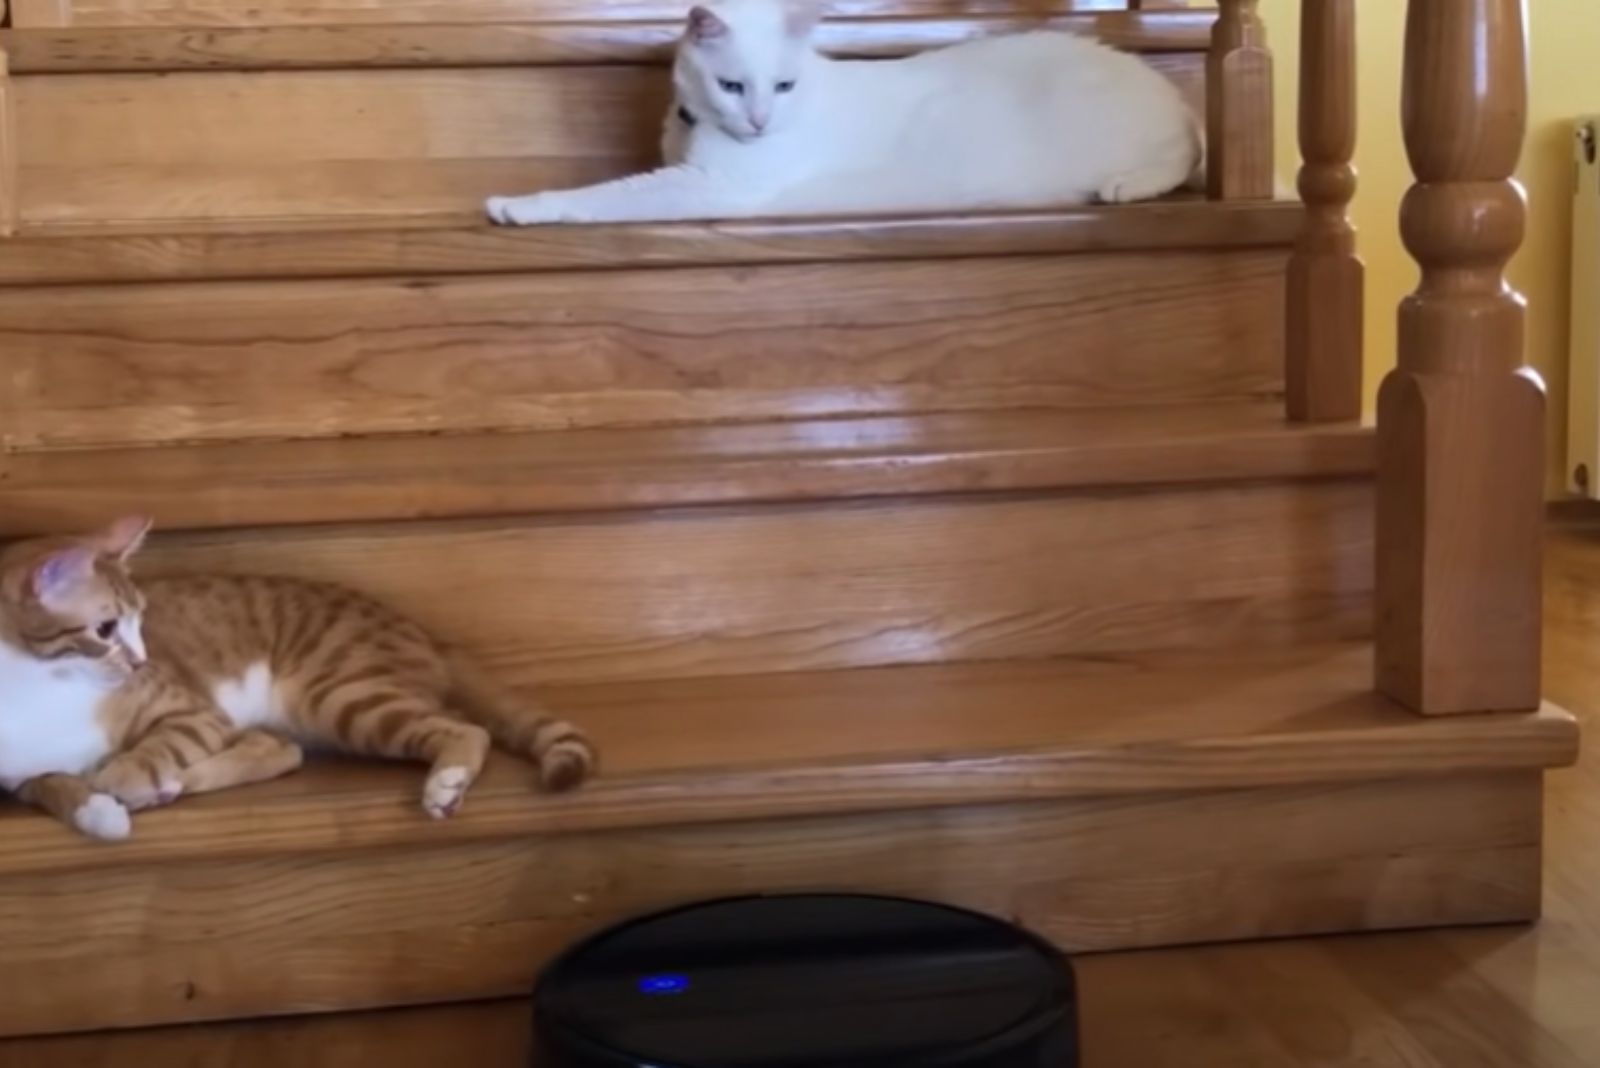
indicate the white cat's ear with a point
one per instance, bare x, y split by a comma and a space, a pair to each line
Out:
58, 574
705, 25
124, 537
802, 16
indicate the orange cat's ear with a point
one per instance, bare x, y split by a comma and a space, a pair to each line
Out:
123, 538
58, 574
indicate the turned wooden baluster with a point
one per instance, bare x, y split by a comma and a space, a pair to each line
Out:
1239, 105
1460, 421
8, 152
1326, 280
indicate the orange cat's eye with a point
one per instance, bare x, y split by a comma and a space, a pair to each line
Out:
106, 631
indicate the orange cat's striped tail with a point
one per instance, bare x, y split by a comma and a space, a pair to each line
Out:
563, 754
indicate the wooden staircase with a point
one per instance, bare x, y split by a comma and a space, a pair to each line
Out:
972, 558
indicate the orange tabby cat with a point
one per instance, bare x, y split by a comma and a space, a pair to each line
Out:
116, 696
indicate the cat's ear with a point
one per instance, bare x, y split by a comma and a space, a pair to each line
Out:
61, 572
705, 25
124, 537
800, 17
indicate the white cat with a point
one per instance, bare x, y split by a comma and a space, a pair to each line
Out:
763, 124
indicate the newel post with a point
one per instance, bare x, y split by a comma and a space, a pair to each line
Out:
1239, 105
1460, 420
1326, 280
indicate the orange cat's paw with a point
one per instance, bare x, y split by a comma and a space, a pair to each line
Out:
444, 791
135, 785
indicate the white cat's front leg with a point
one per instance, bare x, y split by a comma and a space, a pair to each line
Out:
663, 195
534, 209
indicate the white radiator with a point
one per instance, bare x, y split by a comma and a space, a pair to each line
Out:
1583, 362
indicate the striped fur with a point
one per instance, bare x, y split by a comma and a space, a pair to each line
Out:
218, 680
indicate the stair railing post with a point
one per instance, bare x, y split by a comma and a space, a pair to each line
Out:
1239, 105
1460, 419
1326, 282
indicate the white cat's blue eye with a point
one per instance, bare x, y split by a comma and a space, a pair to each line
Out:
736, 88
784, 87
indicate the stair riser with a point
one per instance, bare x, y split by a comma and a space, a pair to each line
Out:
340, 13
332, 144
733, 591
161, 363
100, 148
360, 930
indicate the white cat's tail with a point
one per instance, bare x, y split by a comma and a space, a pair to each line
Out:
564, 755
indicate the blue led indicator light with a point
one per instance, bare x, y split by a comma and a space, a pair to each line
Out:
660, 985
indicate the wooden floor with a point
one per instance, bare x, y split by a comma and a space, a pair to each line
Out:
1508, 998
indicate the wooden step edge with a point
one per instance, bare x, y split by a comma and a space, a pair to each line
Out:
463, 244
255, 823
166, 49
479, 476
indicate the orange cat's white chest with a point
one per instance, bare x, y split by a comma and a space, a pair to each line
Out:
251, 698
49, 718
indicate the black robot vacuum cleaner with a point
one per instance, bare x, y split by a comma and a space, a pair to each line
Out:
809, 981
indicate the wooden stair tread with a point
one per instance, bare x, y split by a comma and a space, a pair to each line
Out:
481, 475
460, 243
749, 747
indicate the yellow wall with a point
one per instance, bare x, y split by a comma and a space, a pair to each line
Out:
1565, 48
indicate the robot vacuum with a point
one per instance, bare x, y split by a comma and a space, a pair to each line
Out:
809, 981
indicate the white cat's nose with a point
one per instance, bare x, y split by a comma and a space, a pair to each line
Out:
758, 122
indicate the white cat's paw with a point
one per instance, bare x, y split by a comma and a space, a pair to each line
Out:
1134, 186
527, 211
444, 791
103, 817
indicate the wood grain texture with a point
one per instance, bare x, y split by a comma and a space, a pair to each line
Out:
716, 591
486, 475
10, 185
1327, 281
1239, 132
324, 143
164, 363
460, 243
389, 115
330, 145
1501, 997
223, 13
460, 42
381, 893
1092, 874
836, 744
1460, 421
40, 13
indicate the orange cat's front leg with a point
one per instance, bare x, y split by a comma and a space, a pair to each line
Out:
150, 771
252, 757
70, 799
